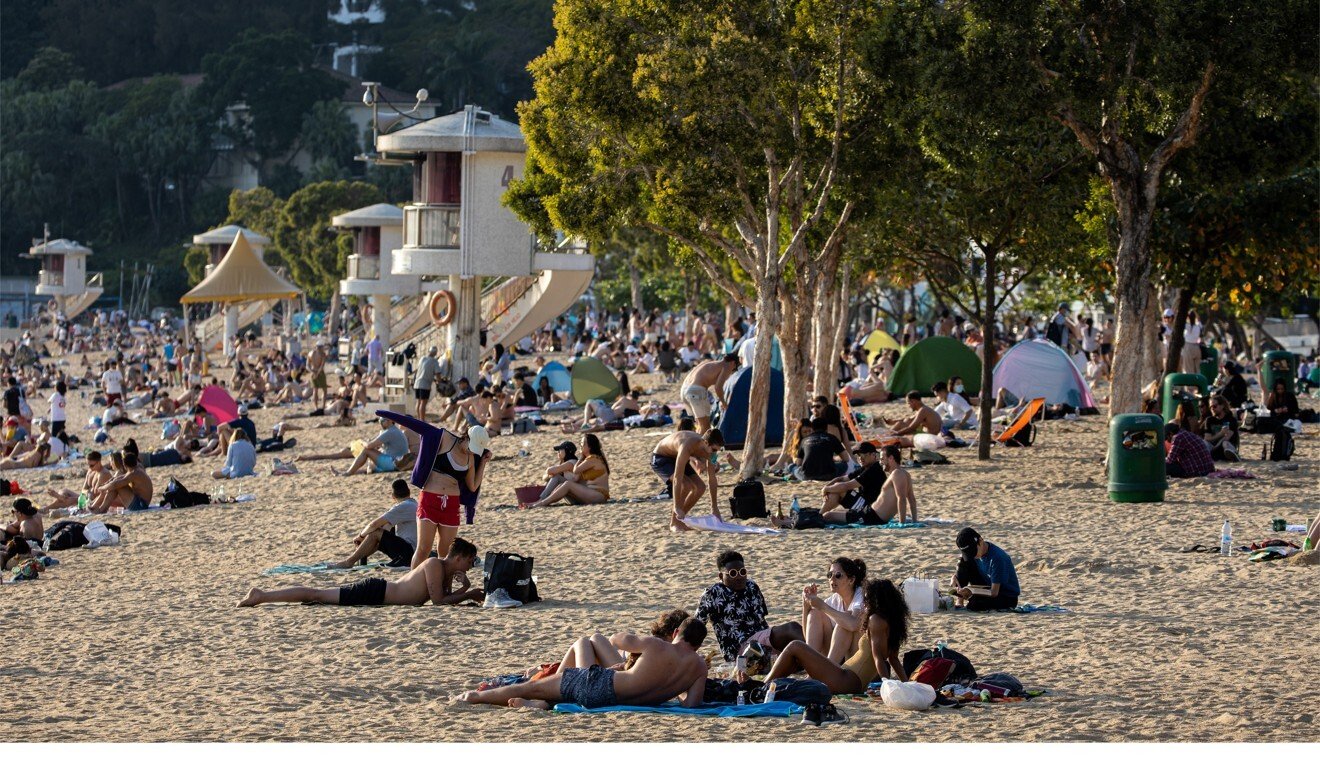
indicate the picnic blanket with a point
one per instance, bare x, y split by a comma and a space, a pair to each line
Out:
323, 566
777, 708
713, 524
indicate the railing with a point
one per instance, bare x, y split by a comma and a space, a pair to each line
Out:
430, 227
95, 281
364, 267
51, 278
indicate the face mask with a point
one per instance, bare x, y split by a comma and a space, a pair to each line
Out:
957, 388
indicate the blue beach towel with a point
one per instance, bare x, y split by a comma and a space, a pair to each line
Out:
299, 569
890, 525
778, 708
1050, 609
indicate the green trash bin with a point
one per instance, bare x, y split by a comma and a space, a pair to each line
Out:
1136, 459
1209, 363
1281, 366
1171, 396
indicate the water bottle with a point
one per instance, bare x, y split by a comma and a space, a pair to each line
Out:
82, 501
795, 508
1225, 538
526, 445
742, 698
770, 692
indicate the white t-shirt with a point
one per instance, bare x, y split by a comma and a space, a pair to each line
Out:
113, 381
1192, 334
955, 407
57, 404
858, 602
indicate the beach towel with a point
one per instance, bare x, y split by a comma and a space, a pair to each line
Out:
777, 708
324, 566
890, 525
712, 524
1049, 609
1230, 473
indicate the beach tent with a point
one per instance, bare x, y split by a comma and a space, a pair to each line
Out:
877, 341
738, 391
592, 379
241, 277
932, 360
557, 374
1040, 369
219, 403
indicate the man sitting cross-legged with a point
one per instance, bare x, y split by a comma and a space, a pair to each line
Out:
394, 533
432, 580
664, 670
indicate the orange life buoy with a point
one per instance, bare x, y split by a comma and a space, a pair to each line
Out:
442, 308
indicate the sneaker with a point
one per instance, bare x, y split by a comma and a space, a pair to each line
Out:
1230, 452
831, 715
500, 599
811, 714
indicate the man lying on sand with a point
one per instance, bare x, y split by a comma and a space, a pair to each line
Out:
664, 670
432, 580
677, 459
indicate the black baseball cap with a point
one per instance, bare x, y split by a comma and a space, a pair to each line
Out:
866, 447
566, 446
968, 540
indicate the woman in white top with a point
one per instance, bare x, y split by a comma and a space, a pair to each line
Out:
834, 624
1191, 350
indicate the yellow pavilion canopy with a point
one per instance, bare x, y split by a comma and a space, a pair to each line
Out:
241, 277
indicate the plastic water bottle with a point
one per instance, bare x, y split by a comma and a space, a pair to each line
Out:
525, 451
795, 508
742, 698
1225, 539
770, 692
82, 501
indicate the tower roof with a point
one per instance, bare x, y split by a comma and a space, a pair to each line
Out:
379, 215
241, 277
471, 129
58, 246
225, 235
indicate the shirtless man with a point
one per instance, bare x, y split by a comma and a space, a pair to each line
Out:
432, 580
896, 496
131, 491
664, 670
923, 420
704, 378
476, 410
316, 367
677, 460
97, 474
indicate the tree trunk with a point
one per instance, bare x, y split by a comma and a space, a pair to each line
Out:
332, 323
988, 357
634, 283
1178, 332
1136, 348
767, 323
826, 294
794, 348
843, 308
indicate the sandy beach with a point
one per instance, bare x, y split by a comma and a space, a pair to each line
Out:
141, 642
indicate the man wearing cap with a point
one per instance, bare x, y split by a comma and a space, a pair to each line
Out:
986, 579
854, 493
427, 370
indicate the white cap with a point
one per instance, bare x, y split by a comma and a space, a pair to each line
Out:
242, 409
478, 440
1168, 312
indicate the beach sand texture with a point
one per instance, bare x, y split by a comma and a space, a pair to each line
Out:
141, 642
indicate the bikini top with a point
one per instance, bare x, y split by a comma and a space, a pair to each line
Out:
429, 456
444, 463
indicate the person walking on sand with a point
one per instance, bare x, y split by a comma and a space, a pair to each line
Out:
664, 670
701, 381
432, 580
316, 367
677, 460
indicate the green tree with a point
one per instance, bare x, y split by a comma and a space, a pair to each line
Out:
258, 209
316, 254
329, 136
1131, 81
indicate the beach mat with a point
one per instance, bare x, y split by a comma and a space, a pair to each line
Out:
324, 566
1031, 609
712, 524
778, 708
890, 525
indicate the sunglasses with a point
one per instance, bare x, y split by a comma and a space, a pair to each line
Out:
835, 575
739, 572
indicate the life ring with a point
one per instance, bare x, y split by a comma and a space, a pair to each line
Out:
442, 308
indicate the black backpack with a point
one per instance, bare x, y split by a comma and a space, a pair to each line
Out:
511, 572
1281, 446
67, 534
1024, 438
963, 671
748, 501
177, 496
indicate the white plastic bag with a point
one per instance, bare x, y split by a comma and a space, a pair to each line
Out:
909, 696
922, 595
98, 534
928, 441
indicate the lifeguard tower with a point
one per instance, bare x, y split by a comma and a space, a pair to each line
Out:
377, 231
457, 227
240, 280
221, 326
63, 275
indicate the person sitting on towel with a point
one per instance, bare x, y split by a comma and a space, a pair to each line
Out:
736, 610
817, 451
954, 411
664, 670
432, 580
854, 493
986, 579
1189, 455
393, 533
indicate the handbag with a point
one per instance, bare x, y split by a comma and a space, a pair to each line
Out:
922, 595
511, 572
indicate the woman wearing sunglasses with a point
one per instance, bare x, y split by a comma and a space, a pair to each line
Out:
834, 624
884, 631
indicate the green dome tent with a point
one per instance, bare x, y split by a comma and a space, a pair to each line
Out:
934, 359
593, 379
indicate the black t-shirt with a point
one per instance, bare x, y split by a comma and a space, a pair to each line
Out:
817, 452
872, 478
1215, 424
11, 400
526, 396
1235, 391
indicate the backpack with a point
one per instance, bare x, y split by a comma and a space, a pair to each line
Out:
809, 518
748, 501
803, 692
1281, 446
929, 457
1054, 333
511, 572
1024, 438
963, 670
177, 496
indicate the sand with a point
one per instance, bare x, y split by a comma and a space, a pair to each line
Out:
141, 642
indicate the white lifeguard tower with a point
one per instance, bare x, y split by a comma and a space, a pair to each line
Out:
377, 231
457, 227
63, 275
239, 282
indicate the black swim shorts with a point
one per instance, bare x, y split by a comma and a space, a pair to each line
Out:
368, 592
422, 394
664, 467
399, 550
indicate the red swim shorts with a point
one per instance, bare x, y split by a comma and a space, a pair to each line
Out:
440, 509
